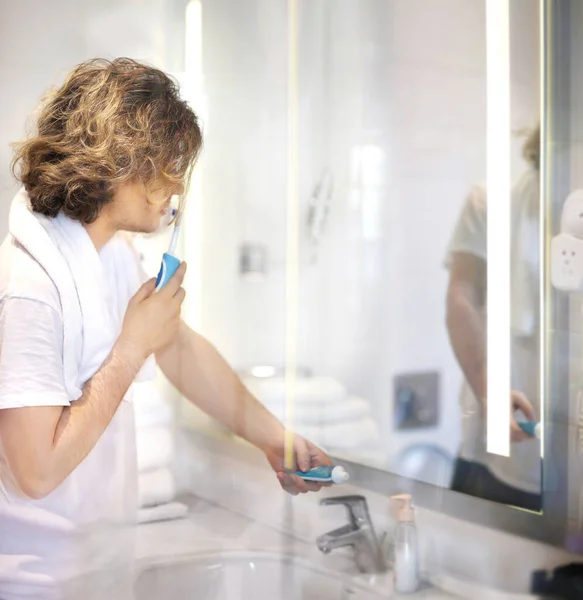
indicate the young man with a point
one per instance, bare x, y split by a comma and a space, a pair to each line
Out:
112, 145
514, 480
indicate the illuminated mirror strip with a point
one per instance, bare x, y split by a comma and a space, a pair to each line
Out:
498, 237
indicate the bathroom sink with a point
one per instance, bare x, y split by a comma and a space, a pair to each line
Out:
246, 576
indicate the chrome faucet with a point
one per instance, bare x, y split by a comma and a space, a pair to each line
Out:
359, 534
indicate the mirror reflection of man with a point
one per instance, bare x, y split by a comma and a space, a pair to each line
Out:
516, 479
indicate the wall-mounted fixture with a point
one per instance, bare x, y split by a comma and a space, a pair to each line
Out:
318, 210
253, 261
416, 400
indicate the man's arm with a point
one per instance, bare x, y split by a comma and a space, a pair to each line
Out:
44, 444
466, 323
200, 374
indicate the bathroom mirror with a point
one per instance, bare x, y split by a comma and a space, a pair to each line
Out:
380, 306
349, 148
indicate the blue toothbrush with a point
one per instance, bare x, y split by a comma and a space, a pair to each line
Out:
530, 427
170, 262
324, 474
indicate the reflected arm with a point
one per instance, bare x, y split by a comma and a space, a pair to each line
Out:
466, 318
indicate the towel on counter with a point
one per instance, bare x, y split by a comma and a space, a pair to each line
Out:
155, 448
351, 409
363, 434
152, 416
156, 487
150, 407
309, 390
162, 512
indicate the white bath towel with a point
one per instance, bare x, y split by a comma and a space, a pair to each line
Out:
152, 416
28, 231
156, 487
162, 512
362, 434
309, 390
94, 302
151, 409
348, 410
155, 448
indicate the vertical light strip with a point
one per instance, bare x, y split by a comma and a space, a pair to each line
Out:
193, 218
498, 240
292, 231
544, 287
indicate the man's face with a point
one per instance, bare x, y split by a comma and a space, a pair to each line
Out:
138, 208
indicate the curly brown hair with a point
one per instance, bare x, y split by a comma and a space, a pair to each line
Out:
111, 122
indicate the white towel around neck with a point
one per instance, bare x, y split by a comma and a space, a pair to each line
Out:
93, 302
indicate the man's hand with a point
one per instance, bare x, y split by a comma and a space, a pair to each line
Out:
306, 457
152, 319
520, 402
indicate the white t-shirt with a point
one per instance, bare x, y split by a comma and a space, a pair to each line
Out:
57, 547
522, 469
